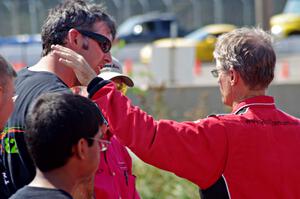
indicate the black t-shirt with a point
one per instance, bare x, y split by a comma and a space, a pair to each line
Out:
40, 193
18, 167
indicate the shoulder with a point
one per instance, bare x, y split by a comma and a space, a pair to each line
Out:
222, 117
43, 76
218, 115
39, 80
219, 120
21, 193
39, 192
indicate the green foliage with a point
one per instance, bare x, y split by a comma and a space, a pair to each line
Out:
153, 183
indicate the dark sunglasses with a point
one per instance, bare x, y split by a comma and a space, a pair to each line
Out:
103, 41
215, 73
103, 144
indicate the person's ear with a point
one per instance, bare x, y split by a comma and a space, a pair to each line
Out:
234, 76
81, 149
75, 39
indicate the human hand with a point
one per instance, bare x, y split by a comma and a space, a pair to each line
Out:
70, 58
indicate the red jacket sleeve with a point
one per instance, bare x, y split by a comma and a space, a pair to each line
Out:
193, 150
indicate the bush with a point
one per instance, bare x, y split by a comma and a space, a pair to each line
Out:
153, 183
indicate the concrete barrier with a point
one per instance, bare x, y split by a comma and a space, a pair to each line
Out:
192, 103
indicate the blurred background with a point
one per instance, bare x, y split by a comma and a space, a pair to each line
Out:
26, 16
166, 47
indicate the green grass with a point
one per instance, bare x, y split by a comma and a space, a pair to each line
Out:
153, 183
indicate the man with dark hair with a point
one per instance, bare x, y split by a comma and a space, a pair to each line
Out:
7, 90
79, 26
64, 139
252, 152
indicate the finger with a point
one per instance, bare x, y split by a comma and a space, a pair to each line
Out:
65, 52
61, 48
67, 56
68, 63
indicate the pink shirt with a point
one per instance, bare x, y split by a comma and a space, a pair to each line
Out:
114, 179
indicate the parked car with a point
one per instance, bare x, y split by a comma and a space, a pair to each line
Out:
203, 39
288, 22
147, 28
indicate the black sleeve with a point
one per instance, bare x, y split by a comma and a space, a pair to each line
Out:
96, 84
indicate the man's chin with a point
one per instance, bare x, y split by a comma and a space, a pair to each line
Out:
99, 67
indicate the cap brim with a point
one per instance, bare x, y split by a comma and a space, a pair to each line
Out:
109, 75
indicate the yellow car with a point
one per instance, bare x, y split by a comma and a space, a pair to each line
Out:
203, 39
288, 22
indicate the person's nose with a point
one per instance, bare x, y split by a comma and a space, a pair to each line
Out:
107, 57
219, 79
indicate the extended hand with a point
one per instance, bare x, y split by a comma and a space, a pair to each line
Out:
70, 58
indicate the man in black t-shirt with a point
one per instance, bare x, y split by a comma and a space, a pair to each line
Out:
77, 25
63, 136
7, 89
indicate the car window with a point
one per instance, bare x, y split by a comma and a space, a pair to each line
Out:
292, 6
165, 25
127, 26
197, 35
148, 27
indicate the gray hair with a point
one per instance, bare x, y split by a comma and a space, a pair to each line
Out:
6, 71
249, 51
72, 14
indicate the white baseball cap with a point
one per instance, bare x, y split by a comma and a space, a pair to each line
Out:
114, 69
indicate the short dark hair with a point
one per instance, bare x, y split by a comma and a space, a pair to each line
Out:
56, 122
70, 14
6, 71
249, 51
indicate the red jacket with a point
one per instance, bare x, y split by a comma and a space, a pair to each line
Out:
114, 179
251, 153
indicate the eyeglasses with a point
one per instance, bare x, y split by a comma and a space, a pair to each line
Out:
122, 87
102, 143
215, 72
103, 41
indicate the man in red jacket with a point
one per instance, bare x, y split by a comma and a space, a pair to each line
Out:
252, 152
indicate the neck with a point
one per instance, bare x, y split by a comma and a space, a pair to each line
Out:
56, 179
50, 63
248, 94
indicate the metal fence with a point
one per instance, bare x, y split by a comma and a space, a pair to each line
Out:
27, 16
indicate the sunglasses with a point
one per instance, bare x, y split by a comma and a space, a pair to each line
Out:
215, 73
103, 144
103, 41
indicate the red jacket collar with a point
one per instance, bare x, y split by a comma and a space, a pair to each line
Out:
258, 100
